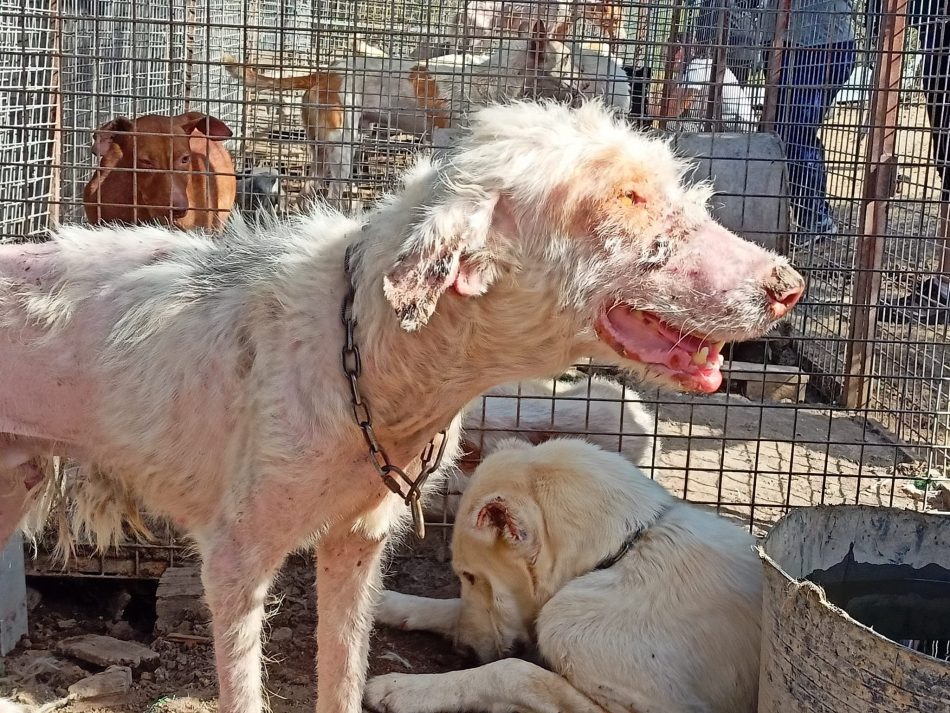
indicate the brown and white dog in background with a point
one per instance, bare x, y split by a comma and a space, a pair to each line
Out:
171, 170
473, 27
417, 96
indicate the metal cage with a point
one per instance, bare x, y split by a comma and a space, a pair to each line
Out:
848, 404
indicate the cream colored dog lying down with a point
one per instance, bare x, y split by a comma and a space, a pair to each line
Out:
636, 601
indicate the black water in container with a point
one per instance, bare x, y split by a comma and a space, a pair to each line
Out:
908, 605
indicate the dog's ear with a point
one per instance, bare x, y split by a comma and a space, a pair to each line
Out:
441, 253
498, 517
103, 138
210, 126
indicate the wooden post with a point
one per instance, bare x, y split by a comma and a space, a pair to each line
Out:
880, 183
717, 74
669, 79
774, 76
56, 84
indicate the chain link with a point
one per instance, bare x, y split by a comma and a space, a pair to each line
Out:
390, 474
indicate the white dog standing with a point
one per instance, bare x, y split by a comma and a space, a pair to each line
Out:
204, 377
637, 602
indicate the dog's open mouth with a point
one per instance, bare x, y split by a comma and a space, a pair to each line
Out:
691, 360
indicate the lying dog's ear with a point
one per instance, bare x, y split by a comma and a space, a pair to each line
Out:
441, 253
103, 139
498, 517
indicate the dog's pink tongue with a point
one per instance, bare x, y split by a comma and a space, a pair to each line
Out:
647, 340
637, 335
706, 381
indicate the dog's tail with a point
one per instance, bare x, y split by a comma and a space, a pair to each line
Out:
252, 78
82, 503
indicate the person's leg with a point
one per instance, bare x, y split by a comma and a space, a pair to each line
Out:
811, 79
935, 45
929, 299
798, 118
790, 121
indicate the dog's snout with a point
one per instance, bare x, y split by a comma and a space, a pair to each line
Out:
784, 289
179, 205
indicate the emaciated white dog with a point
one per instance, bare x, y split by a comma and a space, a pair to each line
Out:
206, 380
637, 602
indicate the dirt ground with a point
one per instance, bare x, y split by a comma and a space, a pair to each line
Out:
184, 681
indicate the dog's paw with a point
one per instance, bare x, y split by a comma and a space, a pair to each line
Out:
391, 610
388, 693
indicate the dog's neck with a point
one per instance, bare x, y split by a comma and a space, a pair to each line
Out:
462, 351
631, 541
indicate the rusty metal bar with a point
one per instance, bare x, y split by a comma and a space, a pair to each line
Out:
191, 29
668, 79
717, 73
774, 75
56, 80
880, 184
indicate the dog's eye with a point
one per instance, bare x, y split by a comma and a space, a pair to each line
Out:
469, 577
184, 160
145, 163
628, 199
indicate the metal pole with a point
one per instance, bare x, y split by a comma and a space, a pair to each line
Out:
668, 79
880, 184
776, 58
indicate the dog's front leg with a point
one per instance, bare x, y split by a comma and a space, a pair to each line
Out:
412, 613
236, 574
505, 685
348, 575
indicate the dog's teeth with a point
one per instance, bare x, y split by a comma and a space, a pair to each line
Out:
700, 357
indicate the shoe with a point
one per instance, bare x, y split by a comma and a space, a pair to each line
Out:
929, 303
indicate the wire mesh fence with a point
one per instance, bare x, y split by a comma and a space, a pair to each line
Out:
822, 124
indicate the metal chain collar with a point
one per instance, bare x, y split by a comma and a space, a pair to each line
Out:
391, 474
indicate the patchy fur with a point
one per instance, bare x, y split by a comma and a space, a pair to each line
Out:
131, 349
673, 626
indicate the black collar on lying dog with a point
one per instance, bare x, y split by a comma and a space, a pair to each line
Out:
631, 540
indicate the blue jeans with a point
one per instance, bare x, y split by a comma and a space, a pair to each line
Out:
935, 46
811, 78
